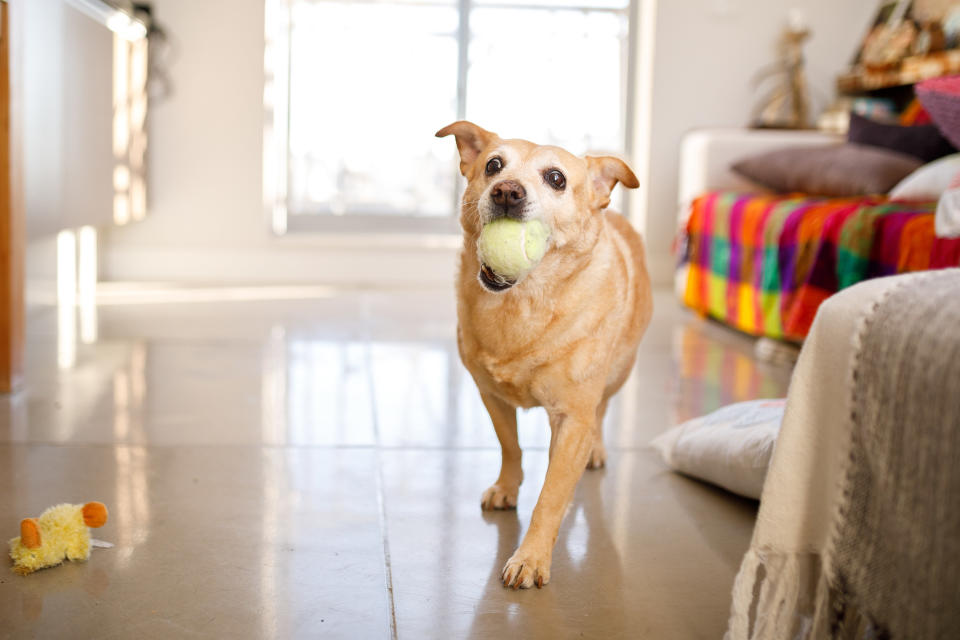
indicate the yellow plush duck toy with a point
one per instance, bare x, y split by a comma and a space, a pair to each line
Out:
60, 532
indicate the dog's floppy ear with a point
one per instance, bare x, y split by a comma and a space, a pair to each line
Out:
471, 140
605, 172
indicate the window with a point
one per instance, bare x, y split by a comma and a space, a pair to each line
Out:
355, 90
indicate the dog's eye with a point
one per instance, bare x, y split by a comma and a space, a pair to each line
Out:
555, 179
494, 165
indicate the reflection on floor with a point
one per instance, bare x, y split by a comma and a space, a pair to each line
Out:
312, 465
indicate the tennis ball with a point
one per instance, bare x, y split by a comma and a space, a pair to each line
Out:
512, 248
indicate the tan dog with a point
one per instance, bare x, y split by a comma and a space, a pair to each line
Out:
565, 336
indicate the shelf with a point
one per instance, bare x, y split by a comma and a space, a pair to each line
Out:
911, 71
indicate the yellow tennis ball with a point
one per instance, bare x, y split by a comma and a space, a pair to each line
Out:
512, 248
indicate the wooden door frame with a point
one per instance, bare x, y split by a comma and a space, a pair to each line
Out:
12, 231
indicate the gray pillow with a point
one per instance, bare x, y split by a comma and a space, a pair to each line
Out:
836, 170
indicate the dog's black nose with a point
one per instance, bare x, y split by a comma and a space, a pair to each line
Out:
508, 194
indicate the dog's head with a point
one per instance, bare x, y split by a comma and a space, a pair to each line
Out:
522, 180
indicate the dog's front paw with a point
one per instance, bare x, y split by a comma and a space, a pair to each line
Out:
500, 496
526, 568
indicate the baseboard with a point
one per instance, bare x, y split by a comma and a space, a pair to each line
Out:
302, 265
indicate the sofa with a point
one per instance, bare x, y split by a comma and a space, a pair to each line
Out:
763, 262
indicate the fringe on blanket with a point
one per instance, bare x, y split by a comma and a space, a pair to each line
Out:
774, 598
768, 598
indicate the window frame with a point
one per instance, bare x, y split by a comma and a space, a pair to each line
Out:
276, 134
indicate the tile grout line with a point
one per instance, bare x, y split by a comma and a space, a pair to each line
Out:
388, 569
381, 498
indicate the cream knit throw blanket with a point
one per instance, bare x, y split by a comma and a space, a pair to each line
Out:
886, 562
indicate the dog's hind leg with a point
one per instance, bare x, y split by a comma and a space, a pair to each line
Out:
554, 432
598, 455
503, 493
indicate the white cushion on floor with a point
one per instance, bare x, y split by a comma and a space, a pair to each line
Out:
730, 447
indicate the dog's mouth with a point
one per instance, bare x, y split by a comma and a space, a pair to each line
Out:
492, 281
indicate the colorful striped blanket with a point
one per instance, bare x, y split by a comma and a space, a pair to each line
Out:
764, 263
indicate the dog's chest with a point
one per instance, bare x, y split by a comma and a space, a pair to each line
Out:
504, 351
510, 379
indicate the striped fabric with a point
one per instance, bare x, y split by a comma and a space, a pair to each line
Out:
764, 263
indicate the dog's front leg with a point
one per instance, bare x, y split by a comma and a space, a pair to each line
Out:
503, 493
574, 435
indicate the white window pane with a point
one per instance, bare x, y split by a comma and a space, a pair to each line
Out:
366, 97
553, 77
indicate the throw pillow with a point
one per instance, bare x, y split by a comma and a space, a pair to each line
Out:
924, 142
946, 222
730, 447
833, 170
929, 181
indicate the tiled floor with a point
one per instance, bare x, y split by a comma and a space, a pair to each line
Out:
313, 468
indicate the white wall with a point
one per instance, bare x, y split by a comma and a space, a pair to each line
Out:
706, 53
207, 221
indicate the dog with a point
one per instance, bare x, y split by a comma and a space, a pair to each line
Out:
565, 336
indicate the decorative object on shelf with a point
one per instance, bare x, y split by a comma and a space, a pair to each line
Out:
909, 41
951, 28
914, 114
930, 39
911, 70
926, 10
890, 39
879, 109
787, 104
836, 117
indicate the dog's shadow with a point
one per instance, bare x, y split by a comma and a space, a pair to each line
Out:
586, 576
